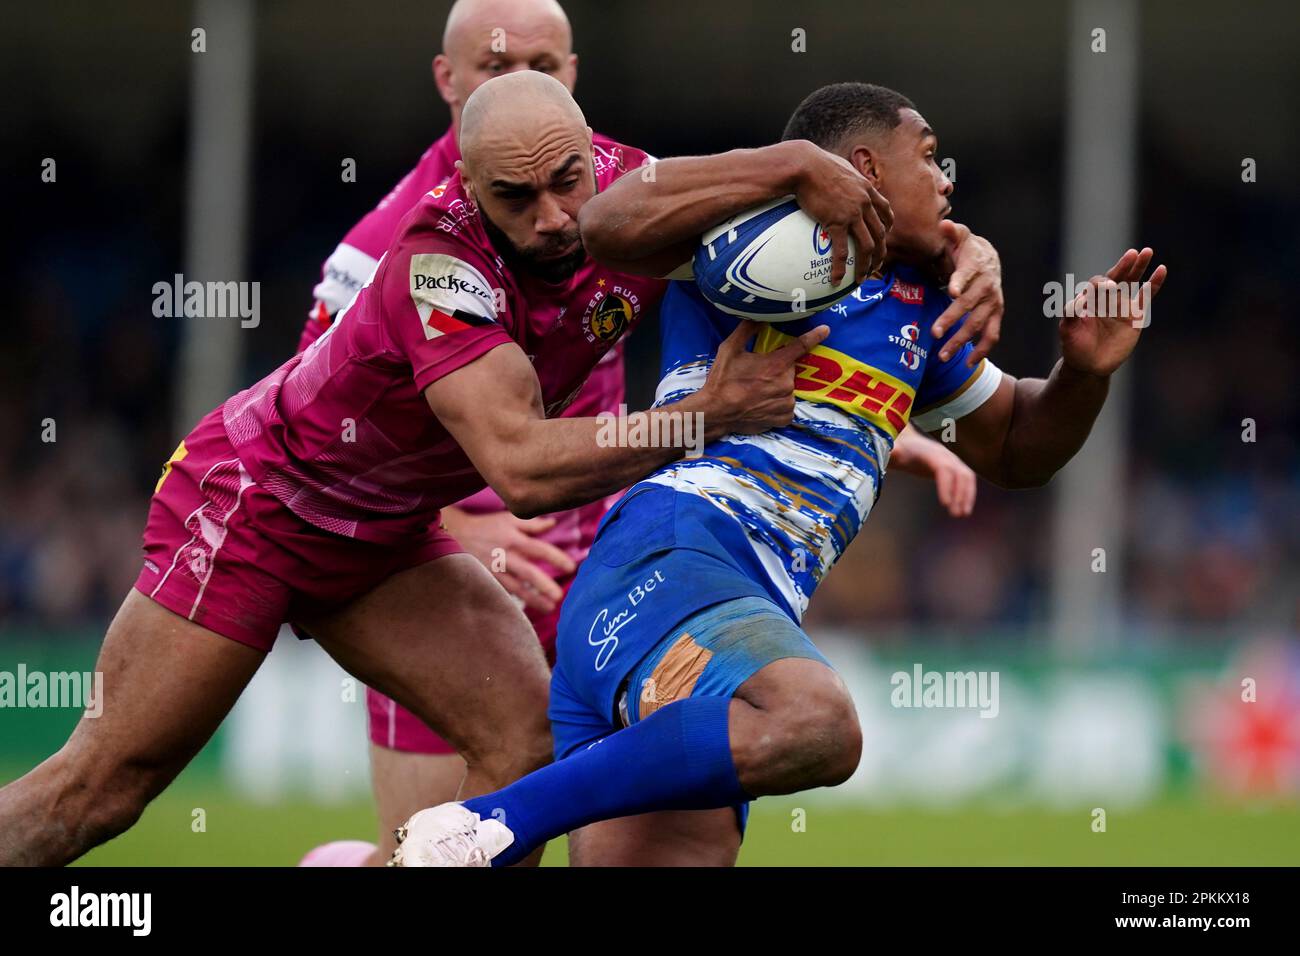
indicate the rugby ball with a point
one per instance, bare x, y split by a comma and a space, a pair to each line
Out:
771, 263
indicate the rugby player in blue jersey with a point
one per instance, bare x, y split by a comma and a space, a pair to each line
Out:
684, 687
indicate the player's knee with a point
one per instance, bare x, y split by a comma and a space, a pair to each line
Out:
519, 754
531, 746
824, 727
810, 739
516, 746
112, 816
99, 799
846, 747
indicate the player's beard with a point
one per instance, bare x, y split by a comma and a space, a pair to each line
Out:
533, 260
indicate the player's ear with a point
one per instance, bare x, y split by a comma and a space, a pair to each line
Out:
591, 154
442, 78
573, 72
465, 181
865, 161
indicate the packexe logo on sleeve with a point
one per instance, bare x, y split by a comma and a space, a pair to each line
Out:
450, 295
451, 283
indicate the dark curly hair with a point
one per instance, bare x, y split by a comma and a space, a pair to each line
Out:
832, 114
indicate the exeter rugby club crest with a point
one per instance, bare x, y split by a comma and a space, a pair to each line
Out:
609, 313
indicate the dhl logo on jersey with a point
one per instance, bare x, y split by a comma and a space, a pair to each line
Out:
833, 378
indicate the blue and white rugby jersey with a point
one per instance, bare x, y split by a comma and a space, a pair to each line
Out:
802, 492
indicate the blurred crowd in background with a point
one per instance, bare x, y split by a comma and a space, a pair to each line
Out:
1213, 521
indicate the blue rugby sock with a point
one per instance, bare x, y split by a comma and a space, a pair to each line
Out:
678, 758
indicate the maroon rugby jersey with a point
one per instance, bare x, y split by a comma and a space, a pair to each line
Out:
342, 434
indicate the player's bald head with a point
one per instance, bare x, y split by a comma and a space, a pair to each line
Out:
526, 161
484, 39
517, 114
472, 22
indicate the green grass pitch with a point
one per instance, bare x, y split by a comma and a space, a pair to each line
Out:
1170, 833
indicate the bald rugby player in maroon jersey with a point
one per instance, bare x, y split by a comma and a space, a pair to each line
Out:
534, 559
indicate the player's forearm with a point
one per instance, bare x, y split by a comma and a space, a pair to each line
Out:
561, 463
640, 218
1051, 419
906, 455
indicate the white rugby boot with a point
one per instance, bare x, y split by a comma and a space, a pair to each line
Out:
449, 835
